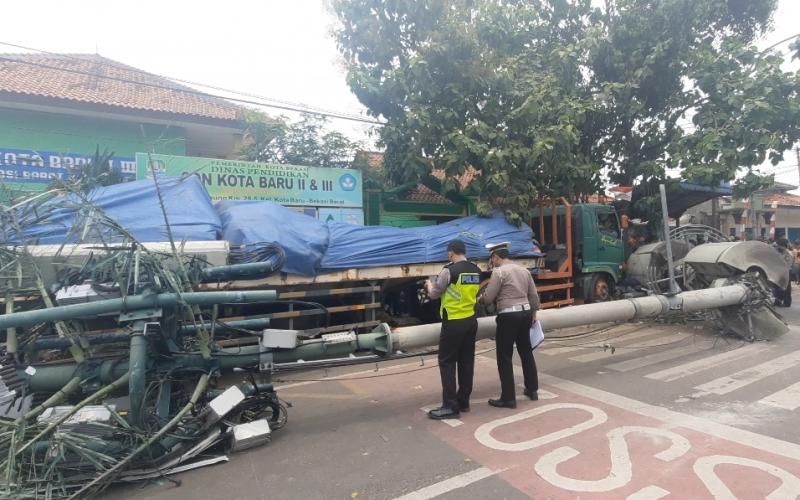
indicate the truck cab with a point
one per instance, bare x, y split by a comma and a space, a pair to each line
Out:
584, 249
599, 250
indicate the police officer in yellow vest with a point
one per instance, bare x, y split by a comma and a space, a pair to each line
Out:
458, 286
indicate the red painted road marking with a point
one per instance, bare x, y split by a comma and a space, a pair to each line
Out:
595, 444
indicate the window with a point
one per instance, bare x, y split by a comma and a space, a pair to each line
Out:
608, 225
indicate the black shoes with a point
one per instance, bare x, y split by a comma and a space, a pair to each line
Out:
463, 408
532, 395
443, 413
499, 403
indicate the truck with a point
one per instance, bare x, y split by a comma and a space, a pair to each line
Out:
584, 254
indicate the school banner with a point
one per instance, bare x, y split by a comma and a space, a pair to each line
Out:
39, 168
244, 180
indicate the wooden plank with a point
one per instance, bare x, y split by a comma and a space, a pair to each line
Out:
410, 271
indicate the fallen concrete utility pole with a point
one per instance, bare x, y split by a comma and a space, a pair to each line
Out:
416, 337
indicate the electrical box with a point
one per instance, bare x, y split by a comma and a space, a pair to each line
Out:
279, 339
226, 401
251, 434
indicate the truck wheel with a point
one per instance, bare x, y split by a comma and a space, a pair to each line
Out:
600, 288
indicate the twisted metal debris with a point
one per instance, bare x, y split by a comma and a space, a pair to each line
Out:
110, 370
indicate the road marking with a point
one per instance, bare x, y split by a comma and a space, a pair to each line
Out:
543, 394
555, 351
606, 353
649, 493
452, 422
743, 378
704, 468
697, 366
652, 359
451, 484
788, 399
677, 419
621, 466
483, 434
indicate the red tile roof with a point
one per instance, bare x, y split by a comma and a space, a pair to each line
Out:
424, 194
91, 78
463, 180
375, 163
783, 199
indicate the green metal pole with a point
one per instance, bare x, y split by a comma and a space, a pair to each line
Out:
11, 333
138, 373
29, 318
49, 378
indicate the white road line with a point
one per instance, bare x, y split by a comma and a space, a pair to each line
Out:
673, 419
743, 378
556, 350
697, 366
788, 399
452, 422
648, 493
657, 339
652, 359
448, 485
543, 394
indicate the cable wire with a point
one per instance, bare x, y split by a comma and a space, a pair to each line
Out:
195, 92
113, 64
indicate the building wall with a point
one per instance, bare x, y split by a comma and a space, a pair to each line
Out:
787, 222
68, 139
74, 134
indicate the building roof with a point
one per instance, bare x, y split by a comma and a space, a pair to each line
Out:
783, 199
91, 78
463, 180
424, 194
374, 160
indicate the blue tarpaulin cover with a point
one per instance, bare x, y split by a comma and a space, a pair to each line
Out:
313, 247
135, 207
303, 238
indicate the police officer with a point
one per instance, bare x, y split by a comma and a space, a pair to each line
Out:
458, 286
511, 287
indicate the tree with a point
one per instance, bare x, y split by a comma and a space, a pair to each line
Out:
305, 142
546, 96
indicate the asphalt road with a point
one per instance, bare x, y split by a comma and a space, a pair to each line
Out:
639, 411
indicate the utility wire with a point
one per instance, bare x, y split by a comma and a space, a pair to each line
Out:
113, 64
336, 115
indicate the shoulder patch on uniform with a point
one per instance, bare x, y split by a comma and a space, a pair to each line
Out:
470, 279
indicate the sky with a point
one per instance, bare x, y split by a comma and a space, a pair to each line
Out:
280, 49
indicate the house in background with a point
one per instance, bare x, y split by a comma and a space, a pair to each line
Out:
411, 205
55, 110
764, 203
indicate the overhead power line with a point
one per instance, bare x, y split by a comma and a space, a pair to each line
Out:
275, 103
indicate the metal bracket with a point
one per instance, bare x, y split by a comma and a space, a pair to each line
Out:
266, 361
140, 314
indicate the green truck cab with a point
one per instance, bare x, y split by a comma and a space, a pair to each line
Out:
599, 251
585, 251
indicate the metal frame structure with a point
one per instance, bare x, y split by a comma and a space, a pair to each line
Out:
560, 282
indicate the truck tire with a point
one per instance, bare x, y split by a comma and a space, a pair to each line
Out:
600, 288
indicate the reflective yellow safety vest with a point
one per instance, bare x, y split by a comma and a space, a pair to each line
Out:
458, 300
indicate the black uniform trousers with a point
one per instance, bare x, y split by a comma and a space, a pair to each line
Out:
514, 327
457, 357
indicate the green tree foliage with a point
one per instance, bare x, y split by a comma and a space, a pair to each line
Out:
546, 96
304, 142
